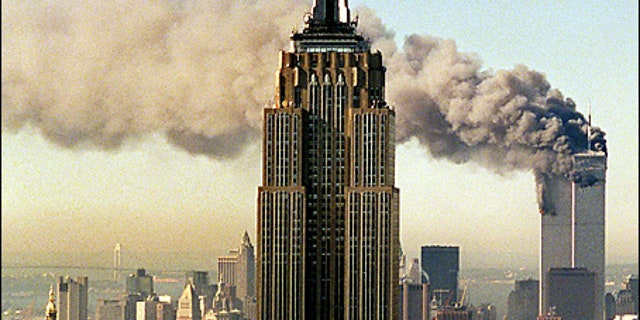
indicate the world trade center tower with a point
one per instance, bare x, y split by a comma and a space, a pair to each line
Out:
328, 217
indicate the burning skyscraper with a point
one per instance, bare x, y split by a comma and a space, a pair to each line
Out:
328, 221
573, 223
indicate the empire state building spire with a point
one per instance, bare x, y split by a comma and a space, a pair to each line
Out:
328, 28
330, 12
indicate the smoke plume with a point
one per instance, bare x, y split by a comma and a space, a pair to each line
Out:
98, 74
507, 120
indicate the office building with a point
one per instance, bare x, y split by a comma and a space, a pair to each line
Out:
451, 314
572, 224
441, 265
124, 307
623, 302
204, 290
226, 305
72, 298
485, 311
238, 269
140, 283
631, 284
111, 309
189, 304
414, 302
522, 302
570, 292
146, 310
165, 309
328, 217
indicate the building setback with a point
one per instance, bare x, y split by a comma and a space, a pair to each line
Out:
328, 220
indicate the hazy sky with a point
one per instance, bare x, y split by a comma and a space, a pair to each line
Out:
98, 184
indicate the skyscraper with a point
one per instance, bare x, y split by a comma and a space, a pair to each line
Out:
442, 264
328, 218
570, 292
238, 269
140, 283
572, 233
72, 298
522, 302
189, 304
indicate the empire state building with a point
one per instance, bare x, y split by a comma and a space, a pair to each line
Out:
328, 216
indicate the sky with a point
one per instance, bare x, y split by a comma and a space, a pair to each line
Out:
74, 182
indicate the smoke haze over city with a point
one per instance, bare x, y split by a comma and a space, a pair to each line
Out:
106, 76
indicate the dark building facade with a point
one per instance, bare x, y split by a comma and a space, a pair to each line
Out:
571, 292
140, 283
328, 217
631, 284
522, 302
413, 301
442, 264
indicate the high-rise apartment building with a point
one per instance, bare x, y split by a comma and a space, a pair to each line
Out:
72, 298
441, 265
328, 217
572, 230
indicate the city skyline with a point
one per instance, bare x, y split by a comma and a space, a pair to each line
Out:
147, 179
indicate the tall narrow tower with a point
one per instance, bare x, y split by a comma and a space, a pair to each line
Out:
117, 263
328, 220
572, 232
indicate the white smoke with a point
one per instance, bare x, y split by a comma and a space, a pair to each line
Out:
102, 72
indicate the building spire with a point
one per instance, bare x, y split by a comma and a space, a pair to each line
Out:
50, 310
245, 238
330, 12
589, 128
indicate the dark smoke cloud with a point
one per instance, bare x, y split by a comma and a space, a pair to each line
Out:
200, 71
507, 120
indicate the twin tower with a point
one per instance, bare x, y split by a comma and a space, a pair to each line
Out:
328, 216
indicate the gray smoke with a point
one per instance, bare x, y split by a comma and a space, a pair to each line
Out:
101, 73
505, 120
